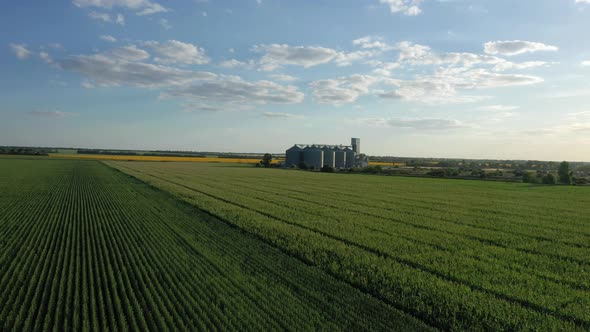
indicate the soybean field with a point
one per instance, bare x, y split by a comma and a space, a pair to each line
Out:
86, 247
454, 254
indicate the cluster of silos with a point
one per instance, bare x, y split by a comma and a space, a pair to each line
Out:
318, 155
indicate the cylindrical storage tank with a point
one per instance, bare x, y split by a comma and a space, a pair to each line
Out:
339, 158
350, 157
293, 156
329, 156
313, 157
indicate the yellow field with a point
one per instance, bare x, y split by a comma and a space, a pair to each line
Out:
157, 158
381, 163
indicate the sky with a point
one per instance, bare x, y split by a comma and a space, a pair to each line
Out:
498, 79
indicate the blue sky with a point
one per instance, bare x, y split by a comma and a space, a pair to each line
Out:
452, 78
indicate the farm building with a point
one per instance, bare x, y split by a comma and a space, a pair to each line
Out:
319, 155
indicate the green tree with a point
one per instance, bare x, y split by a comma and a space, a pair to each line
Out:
549, 179
564, 173
266, 160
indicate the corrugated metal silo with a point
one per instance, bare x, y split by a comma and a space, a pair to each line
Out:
339, 157
313, 156
293, 155
329, 156
350, 157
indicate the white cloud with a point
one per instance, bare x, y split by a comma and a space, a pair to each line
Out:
120, 19
100, 16
20, 50
346, 59
164, 23
277, 55
46, 57
107, 70
277, 115
177, 52
130, 53
283, 77
108, 38
419, 124
416, 54
499, 108
408, 7
507, 65
582, 1
52, 114
233, 63
371, 42
585, 63
142, 7
236, 91
515, 47
342, 90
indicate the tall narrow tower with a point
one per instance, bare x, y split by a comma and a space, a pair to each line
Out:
356, 145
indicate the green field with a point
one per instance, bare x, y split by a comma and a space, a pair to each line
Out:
86, 247
458, 255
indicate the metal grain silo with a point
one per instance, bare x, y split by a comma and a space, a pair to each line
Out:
329, 156
339, 157
350, 157
293, 155
313, 156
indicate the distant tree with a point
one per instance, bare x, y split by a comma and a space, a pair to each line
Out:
529, 177
266, 160
549, 179
327, 169
564, 173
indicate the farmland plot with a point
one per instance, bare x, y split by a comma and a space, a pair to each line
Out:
85, 247
463, 255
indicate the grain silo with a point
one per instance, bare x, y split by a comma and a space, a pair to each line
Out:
350, 157
329, 156
339, 157
294, 155
313, 156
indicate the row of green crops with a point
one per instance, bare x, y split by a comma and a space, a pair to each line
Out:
85, 247
457, 254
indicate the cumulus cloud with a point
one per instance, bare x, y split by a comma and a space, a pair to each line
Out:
108, 38
499, 108
52, 114
130, 53
407, 7
164, 23
283, 77
100, 16
421, 124
371, 42
277, 55
507, 65
141, 7
20, 50
515, 47
120, 19
107, 70
233, 63
277, 115
177, 52
234, 90
342, 90
416, 54
45, 57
